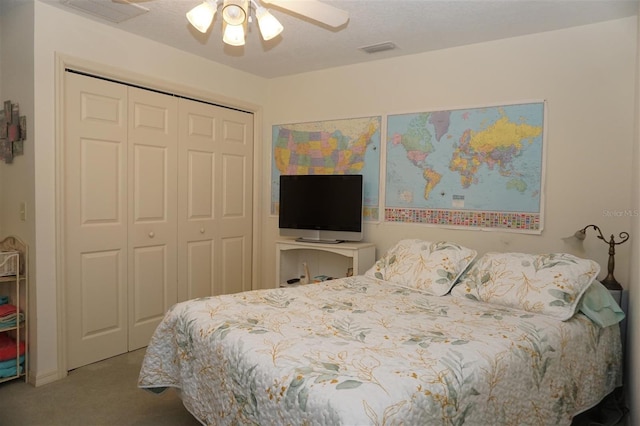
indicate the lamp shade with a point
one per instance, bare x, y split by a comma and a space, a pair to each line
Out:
234, 12
201, 16
233, 35
270, 27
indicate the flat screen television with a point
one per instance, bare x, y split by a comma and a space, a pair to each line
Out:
321, 208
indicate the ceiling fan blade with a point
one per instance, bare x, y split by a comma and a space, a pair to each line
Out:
313, 9
130, 1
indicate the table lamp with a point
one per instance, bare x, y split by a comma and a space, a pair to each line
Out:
609, 281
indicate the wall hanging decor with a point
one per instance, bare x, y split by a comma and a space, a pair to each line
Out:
343, 146
13, 132
478, 168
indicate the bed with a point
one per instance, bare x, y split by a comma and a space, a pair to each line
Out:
430, 335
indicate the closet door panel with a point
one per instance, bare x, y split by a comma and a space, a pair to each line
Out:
152, 193
234, 272
101, 279
197, 225
235, 205
151, 185
200, 251
233, 200
101, 178
95, 204
149, 276
200, 176
200, 269
206, 133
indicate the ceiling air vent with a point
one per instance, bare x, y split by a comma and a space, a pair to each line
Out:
114, 11
380, 47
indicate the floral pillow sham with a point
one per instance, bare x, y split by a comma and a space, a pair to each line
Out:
431, 267
550, 284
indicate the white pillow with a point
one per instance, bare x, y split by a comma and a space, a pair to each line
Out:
431, 267
550, 284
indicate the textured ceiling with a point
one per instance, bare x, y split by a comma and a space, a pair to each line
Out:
415, 26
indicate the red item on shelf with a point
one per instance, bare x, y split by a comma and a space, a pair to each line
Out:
7, 309
8, 348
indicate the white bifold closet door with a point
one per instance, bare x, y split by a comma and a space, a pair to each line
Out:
215, 187
152, 149
158, 209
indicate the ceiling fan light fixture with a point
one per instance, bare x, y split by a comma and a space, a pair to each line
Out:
202, 15
236, 15
233, 34
235, 12
269, 26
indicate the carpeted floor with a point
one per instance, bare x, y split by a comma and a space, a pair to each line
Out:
100, 394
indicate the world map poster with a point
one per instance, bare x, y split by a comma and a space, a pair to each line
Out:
477, 167
347, 146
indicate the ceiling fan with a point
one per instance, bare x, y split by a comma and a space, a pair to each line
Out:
312, 9
315, 10
237, 13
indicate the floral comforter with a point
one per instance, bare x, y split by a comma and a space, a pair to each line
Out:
358, 351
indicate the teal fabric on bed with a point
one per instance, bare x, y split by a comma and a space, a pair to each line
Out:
598, 304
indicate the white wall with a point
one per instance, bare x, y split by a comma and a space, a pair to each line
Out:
16, 70
16, 84
585, 74
59, 32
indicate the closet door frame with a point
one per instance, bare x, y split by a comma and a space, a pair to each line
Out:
64, 62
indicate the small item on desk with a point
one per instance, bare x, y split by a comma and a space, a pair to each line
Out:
303, 279
307, 275
293, 281
321, 278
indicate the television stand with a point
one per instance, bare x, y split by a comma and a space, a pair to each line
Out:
311, 240
332, 260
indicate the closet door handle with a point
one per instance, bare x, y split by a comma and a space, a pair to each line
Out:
151, 234
202, 230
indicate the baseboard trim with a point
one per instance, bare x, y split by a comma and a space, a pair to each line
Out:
46, 378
